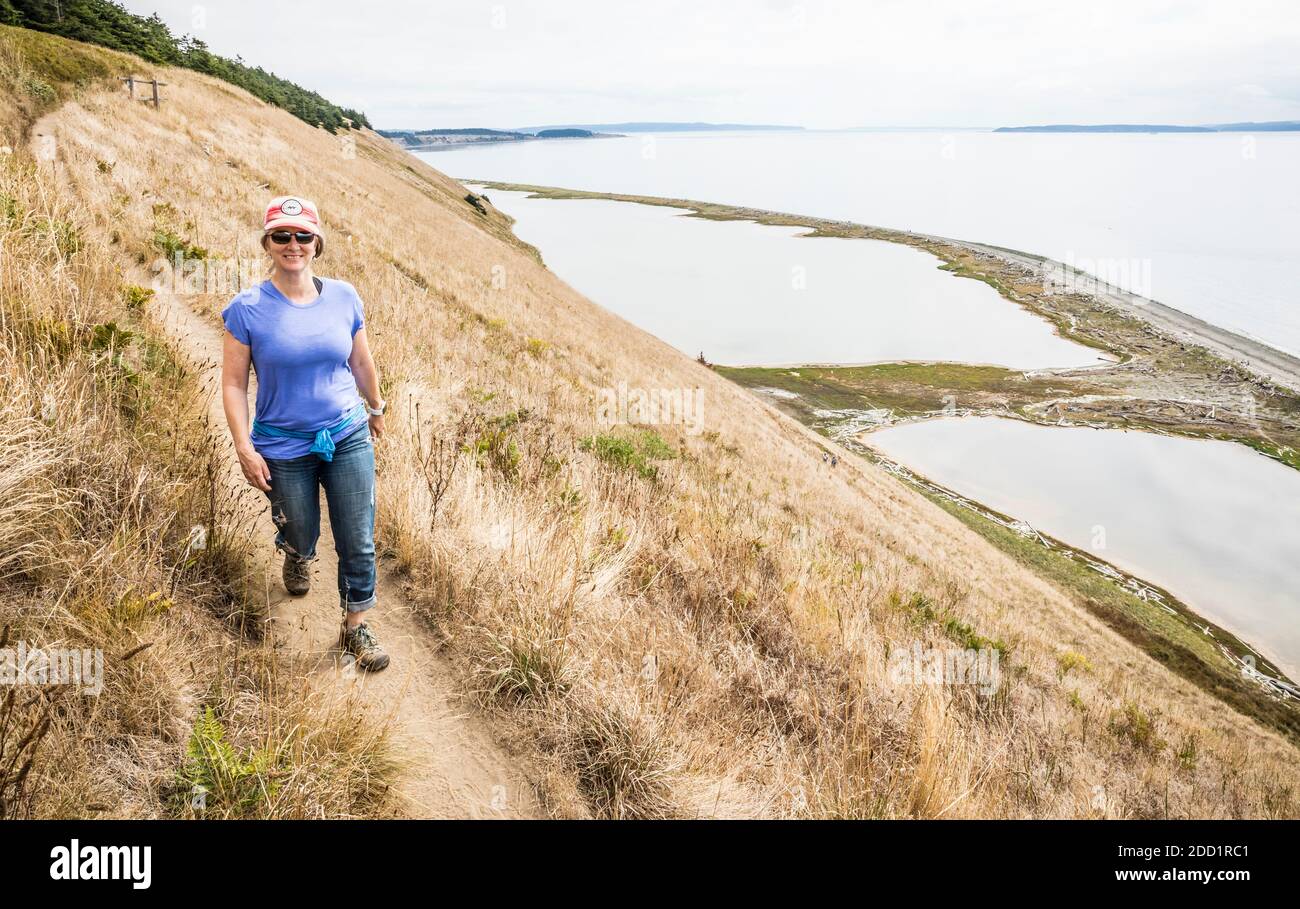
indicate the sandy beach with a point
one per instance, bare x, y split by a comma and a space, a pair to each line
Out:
1255, 356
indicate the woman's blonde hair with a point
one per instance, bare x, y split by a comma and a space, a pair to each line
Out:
320, 243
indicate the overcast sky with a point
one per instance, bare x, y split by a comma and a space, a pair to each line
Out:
819, 63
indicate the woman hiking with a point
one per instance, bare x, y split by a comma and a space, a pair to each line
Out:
305, 337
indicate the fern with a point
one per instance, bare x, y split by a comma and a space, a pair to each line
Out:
225, 780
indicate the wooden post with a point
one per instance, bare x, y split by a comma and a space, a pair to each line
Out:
154, 85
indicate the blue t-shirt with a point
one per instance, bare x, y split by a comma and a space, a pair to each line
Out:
300, 354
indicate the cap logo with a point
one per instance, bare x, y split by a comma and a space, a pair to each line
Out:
291, 207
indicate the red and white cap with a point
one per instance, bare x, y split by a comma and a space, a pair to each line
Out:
292, 212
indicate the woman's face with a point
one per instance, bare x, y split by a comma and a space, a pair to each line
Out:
292, 256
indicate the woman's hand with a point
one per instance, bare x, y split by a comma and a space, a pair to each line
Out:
255, 469
376, 426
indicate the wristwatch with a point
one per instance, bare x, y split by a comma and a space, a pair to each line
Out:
376, 411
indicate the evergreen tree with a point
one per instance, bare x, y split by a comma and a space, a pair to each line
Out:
109, 24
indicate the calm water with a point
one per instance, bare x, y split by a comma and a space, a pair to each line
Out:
1208, 223
1212, 522
752, 294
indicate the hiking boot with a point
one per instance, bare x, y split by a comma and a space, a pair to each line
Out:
296, 574
362, 644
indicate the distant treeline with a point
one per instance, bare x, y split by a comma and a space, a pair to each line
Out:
436, 139
658, 127
468, 131
108, 24
413, 135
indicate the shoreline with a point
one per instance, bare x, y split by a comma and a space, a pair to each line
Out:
1252, 354
867, 364
453, 143
1158, 370
1285, 673
1257, 356
1230, 651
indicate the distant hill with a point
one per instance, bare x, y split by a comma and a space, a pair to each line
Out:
426, 139
1276, 126
433, 139
564, 133
653, 127
478, 132
1273, 126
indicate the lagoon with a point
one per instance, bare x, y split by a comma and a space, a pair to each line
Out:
1214, 523
752, 294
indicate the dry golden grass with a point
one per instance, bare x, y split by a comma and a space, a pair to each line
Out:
710, 641
114, 537
39, 71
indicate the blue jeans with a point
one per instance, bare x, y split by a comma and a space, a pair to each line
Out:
349, 482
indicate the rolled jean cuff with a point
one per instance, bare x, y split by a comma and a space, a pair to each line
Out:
360, 606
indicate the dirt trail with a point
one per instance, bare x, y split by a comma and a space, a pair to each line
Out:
451, 766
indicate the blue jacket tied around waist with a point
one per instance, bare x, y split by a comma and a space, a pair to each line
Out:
322, 439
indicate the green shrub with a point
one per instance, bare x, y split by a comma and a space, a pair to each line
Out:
137, 296
109, 336
226, 781
1189, 752
39, 89
64, 234
11, 210
494, 448
171, 243
1132, 724
634, 452
1068, 661
924, 612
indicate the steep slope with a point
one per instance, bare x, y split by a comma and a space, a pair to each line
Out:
119, 551
662, 622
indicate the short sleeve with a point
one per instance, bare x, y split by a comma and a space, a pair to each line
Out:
358, 313
233, 316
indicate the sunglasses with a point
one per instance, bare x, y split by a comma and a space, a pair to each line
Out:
282, 237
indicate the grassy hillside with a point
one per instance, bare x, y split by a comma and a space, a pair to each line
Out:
114, 536
40, 72
661, 622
